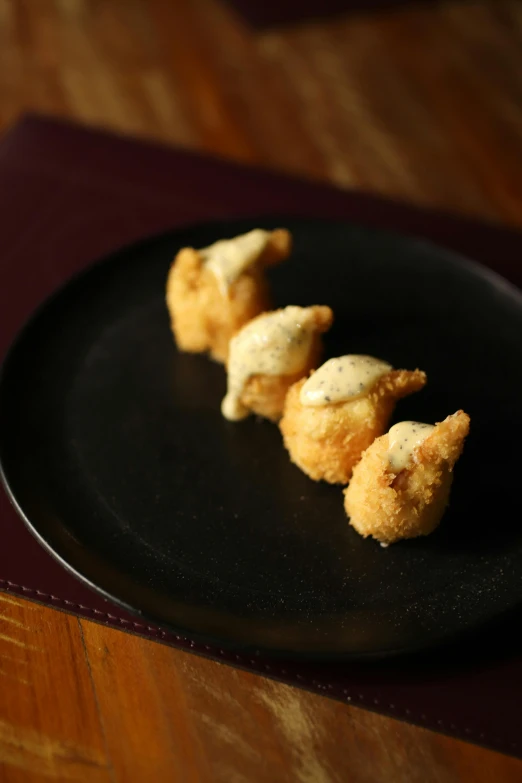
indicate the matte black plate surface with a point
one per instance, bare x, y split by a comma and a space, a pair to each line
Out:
114, 449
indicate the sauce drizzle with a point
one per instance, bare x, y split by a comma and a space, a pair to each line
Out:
227, 259
342, 379
403, 439
275, 343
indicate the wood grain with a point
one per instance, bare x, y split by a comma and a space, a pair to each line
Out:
46, 730
424, 104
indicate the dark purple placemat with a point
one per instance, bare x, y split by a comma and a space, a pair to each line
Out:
69, 195
271, 13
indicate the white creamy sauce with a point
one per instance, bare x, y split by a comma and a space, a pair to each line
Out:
403, 439
342, 379
277, 343
227, 259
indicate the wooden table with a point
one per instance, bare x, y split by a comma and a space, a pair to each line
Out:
424, 104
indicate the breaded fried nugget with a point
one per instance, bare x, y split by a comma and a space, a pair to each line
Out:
331, 418
213, 292
401, 486
268, 355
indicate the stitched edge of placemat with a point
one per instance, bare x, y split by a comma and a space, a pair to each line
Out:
257, 666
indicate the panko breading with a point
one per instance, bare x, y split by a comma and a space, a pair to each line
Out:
391, 504
327, 441
268, 355
213, 292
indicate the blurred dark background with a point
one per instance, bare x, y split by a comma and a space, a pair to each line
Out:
421, 100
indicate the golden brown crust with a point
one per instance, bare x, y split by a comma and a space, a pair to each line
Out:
327, 441
391, 506
202, 317
278, 248
265, 394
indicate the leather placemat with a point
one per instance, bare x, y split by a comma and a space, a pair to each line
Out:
69, 195
272, 13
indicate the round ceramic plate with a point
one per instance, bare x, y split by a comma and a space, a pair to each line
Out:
115, 452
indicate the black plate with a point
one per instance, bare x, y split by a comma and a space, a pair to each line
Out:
114, 449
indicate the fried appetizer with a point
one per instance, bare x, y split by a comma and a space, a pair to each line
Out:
330, 418
401, 486
268, 355
213, 292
